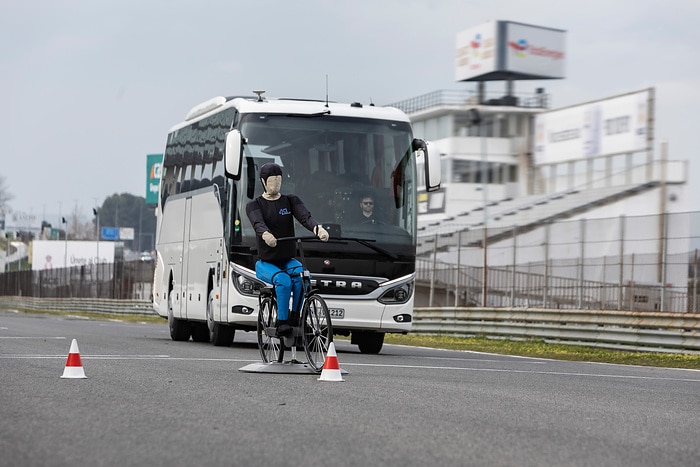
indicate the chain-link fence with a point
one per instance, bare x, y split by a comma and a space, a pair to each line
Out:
131, 280
637, 263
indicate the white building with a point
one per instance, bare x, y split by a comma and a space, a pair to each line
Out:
582, 193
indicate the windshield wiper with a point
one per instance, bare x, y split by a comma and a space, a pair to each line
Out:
362, 241
367, 242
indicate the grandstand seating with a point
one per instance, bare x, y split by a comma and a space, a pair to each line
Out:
524, 213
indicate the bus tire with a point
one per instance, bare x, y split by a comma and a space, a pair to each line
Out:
179, 329
221, 335
368, 342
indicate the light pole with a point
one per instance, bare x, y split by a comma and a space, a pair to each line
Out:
476, 119
140, 214
65, 248
59, 216
97, 231
97, 259
65, 243
7, 251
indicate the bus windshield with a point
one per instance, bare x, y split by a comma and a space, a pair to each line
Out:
355, 175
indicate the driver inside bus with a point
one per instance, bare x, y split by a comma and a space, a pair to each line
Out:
272, 216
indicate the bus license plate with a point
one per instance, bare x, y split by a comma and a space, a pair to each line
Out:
336, 313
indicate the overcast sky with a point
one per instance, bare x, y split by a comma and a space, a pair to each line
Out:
89, 88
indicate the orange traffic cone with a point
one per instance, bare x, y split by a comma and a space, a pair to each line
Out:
74, 367
331, 369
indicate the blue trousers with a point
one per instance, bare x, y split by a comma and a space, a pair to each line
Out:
286, 284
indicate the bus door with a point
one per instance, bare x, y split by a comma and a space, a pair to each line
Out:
185, 263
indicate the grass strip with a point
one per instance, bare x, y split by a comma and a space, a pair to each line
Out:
126, 317
541, 349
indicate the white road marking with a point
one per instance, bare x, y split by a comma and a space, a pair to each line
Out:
91, 357
375, 365
478, 360
31, 337
533, 372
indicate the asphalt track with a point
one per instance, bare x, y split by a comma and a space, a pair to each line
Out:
150, 401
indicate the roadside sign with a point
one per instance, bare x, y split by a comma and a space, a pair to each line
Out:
110, 233
126, 233
154, 163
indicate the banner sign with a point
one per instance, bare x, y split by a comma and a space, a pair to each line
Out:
48, 254
154, 163
615, 125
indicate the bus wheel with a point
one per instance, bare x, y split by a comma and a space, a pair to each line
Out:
368, 342
220, 335
179, 329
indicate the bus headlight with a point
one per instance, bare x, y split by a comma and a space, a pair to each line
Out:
396, 295
247, 285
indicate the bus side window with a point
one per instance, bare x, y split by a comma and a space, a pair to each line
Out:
236, 227
251, 176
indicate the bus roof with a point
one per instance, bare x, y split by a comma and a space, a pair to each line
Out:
290, 106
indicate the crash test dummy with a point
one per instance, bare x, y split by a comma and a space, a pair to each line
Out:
272, 215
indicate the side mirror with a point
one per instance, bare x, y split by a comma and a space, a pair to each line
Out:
233, 155
432, 164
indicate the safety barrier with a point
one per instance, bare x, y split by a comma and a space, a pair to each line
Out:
84, 305
630, 330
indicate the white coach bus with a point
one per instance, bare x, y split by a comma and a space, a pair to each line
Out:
333, 156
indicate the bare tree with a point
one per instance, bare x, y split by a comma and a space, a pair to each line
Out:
77, 229
5, 196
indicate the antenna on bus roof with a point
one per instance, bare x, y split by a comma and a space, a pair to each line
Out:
259, 93
326, 90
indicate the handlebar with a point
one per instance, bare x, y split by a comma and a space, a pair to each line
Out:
306, 237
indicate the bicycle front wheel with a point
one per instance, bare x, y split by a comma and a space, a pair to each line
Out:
317, 330
271, 349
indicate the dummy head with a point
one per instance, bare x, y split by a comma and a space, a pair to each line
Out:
271, 178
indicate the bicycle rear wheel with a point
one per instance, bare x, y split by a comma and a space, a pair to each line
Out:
317, 330
271, 349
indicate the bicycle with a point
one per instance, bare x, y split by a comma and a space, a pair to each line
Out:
312, 330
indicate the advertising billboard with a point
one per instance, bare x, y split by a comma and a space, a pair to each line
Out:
476, 51
20, 220
154, 163
621, 124
47, 254
500, 50
535, 51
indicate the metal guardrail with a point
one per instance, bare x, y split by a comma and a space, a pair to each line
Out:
84, 305
629, 330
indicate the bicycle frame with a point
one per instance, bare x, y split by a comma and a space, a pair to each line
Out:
314, 328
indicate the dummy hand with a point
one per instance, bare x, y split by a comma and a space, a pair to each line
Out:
269, 239
321, 233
